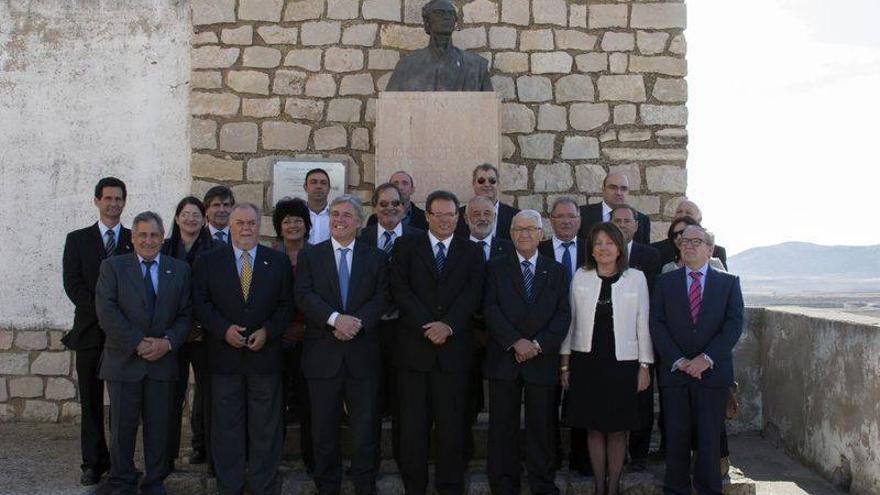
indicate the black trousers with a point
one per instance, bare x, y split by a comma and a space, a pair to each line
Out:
361, 396
296, 401
246, 421
195, 354
388, 400
132, 401
435, 398
505, 400
640, 439
693, 410
93, 443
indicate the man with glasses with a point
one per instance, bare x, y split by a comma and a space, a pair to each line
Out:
568, 250
437, 282
696, 319
646, 259
219, 201
528, 314
386, 229
440, 66
413, 216
615, 189
485, 183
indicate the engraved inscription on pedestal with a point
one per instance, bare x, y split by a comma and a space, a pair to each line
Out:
438, 137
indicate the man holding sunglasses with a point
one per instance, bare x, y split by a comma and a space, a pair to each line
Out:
615, 189
485, 183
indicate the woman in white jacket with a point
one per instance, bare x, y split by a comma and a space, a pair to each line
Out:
604, 362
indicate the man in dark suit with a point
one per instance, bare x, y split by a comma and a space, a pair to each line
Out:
686, 208
84, 249
243, 297
413, 216
341, 346
615, 189
143, 304
480, 213
696, 320
437, 282
388, 204
569, 251
485, 183
528, 314
646, 259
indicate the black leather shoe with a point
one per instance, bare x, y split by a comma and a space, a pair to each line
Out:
90, 476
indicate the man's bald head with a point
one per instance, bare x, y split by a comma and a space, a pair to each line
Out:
688, 208
615, 187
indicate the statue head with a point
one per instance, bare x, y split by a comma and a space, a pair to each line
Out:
440, 17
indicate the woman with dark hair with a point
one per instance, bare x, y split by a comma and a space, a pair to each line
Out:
292, 226
188, 240
676, 228
605, 357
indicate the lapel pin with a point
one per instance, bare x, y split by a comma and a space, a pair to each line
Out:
168, 272
265, 262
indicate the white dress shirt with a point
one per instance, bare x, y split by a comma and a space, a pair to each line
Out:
434, 242
606, 212
213, 230
337, 255
253, 255
320, 230
559, 251
154, 271
380, 234
103, 228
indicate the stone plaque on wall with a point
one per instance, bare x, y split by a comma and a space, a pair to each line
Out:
438, 137
288, 178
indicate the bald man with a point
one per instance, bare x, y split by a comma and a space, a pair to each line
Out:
615, 192
686, 208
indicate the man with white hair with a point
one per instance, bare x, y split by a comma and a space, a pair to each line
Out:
686, 208
528, 314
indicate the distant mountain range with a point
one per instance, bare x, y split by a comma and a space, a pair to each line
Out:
802, 267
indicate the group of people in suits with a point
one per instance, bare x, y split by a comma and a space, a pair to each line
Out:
403, 318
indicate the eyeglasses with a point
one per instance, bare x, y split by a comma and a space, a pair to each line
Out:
385, 204
526, 230
442, 215
482, 180
692, 242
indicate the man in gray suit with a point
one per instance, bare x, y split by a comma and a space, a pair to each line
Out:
143, 305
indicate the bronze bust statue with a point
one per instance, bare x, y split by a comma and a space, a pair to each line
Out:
440, 66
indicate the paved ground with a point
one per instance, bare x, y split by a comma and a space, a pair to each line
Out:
44, 459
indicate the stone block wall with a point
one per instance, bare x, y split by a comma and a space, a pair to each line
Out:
587, 87
37, 377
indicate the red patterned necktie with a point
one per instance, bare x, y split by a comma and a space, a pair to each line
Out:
695, 295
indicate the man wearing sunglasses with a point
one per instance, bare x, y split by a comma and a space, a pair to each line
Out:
686, 208
413, 216
615, 190
485, 183
387, 228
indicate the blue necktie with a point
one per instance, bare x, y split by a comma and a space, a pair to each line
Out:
220, 236
389, 241
440, 258
343, 276
148, 286
566, 259
110, 245
528, 278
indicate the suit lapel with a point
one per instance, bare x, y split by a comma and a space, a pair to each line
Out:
123, 245
682, 290
328, 260
540, 277
97, 243
133, 268
232, 274
357, 268
426, 252
455, 252
515, 274
166, 276
710, 291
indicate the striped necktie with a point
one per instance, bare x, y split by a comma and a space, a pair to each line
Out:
528, 278
388, 237
440, 257
695, 295
110, 244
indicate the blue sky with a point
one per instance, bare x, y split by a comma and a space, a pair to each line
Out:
784, 102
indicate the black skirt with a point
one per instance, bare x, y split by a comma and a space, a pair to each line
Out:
603, 392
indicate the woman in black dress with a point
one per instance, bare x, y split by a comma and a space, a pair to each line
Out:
605, 357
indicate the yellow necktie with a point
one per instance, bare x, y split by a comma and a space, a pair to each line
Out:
246, 274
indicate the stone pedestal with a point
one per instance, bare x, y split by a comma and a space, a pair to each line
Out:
438, 137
